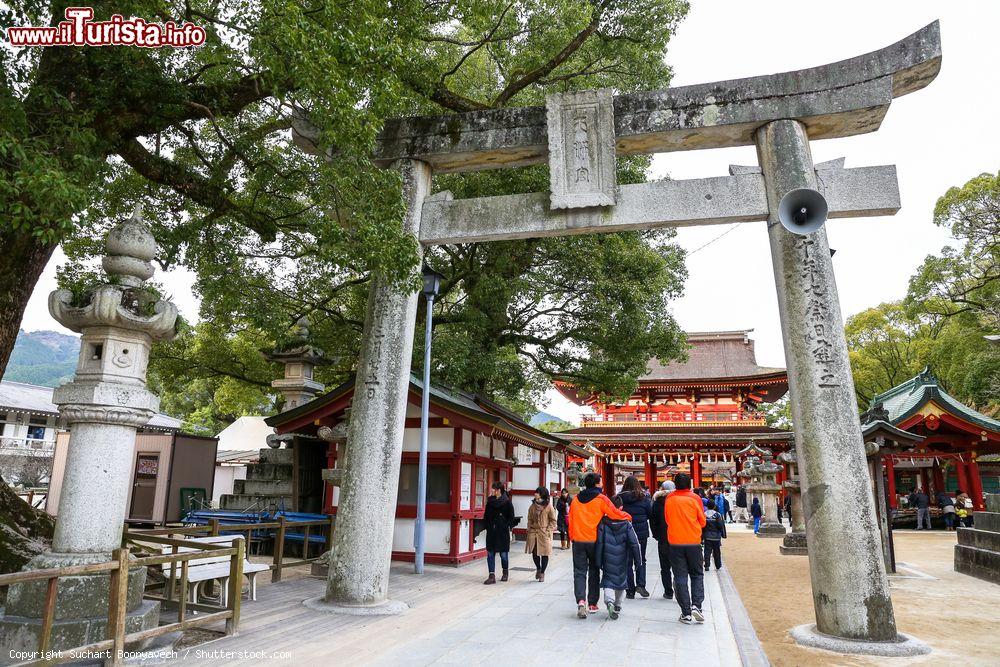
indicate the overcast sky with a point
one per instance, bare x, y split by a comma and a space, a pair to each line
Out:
938, 137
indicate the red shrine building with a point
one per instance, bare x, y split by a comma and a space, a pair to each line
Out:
472, 442
691, 416
959, 448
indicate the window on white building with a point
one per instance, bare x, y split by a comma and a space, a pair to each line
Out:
36, 428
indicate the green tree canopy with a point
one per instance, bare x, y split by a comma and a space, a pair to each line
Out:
889, 345
966, 278
513, 315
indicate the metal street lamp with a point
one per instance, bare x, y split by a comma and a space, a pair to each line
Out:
432, 283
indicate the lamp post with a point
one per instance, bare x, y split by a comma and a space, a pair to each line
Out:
432, 282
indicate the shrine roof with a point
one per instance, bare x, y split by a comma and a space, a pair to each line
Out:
686, 430
713, 355
880, 427
36, 399
906, 399
470, 405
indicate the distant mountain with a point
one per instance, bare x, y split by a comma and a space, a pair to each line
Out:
542, 417
46, 358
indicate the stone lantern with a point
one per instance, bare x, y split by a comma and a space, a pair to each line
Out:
795, 542
299, 359
103, 406
764, 484
752, 455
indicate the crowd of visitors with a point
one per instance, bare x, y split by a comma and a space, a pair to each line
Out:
608, 537
956, 511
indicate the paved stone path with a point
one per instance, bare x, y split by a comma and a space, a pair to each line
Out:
454, 619
532, 623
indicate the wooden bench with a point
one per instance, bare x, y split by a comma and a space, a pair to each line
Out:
214, 568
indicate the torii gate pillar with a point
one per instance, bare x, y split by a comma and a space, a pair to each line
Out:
358, 576
850, 595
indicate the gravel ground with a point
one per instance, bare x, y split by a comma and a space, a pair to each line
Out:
958, 615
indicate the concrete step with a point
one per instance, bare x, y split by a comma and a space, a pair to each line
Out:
979, 563
989, 521
277, 456
979, 539
269, 471
262, 487
240, 502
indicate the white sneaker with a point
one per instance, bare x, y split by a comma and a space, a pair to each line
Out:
697, 615
687, 620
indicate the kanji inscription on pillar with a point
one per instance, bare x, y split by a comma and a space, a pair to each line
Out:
818, 312
374, 361
581, 131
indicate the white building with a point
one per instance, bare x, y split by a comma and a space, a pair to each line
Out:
239, 445
31, 420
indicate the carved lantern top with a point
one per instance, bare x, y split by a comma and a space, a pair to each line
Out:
121, 302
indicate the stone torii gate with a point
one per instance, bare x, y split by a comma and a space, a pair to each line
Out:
579, 134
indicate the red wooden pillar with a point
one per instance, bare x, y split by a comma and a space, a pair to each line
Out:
331, 462
608, 480
976, 486
650, 474
695, 471
938, 478
890, 473
924, 482
963, 478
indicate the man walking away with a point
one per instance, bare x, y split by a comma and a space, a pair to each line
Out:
730, 497
685, 517
721, 504
741, 505
658, 529
922, 502
713, 534
585, 514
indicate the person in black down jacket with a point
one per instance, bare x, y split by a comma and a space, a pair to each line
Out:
562, 507
616, 544
712, 534
498, 517
634, 500
741, 505
658, 528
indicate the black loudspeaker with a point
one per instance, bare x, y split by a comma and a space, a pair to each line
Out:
802, 211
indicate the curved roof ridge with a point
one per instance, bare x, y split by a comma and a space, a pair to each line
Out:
906, 398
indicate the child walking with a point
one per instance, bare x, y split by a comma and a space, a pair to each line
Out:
616, 545
713, 533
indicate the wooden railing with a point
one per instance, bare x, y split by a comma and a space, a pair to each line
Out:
117, 637
281, 529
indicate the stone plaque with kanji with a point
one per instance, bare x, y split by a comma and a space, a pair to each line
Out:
581, 130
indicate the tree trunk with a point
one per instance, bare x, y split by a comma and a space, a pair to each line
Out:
24, 531
22, 260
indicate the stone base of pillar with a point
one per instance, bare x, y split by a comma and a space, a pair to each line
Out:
808, 635
794, 544
81, 612
977, 553
384, 608
771, 530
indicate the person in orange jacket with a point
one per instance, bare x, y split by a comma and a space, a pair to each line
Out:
584, 517
685, 517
